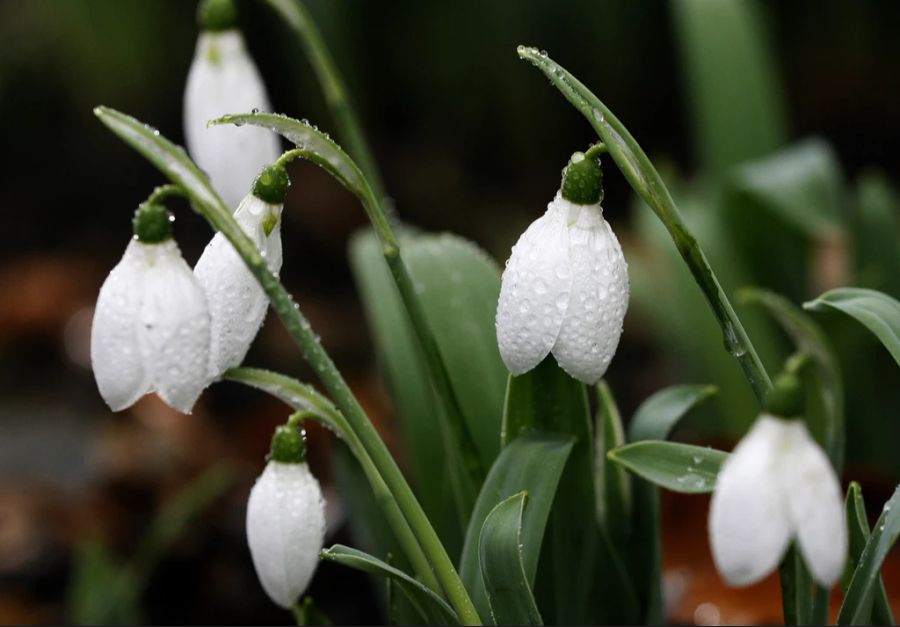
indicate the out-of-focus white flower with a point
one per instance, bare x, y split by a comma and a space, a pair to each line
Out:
285, 524
237, 302
777, 485
565, 287
223, 79
150, 330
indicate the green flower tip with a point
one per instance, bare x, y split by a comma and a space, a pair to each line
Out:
216, 15
582, 180
272, 184
288, 445
786, 397
152, 223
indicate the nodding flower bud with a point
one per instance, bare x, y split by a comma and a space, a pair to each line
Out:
216, 15
582, 182
286, 519
152, 223
271, 184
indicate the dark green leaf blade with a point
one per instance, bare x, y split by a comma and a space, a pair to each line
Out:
532, 463
500, 556
879, 610
433, 609
678, 467
736, 105
655, 418
864, 583
612, 481
547, 399
877, 311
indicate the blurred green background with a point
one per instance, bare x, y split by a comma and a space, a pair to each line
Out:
776, 124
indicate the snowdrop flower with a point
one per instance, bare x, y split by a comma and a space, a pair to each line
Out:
237, 302
565, 287
776, 486
151, 324
223, 79
286, 520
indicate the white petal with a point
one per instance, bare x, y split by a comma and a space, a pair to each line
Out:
815, 505
237, 303
534, 292
599, 298
748, 521
173, 331
285, 529
115, 356
223, 79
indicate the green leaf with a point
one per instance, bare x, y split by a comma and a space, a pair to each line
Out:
306, 613
532, 463
879, 610
678, 467
462, 319
612, 481
655, 418
864, 583
547, 399
737, 108
432, 608
500, 557
98, 593
877, 311
825, 389
801, 185
876, 255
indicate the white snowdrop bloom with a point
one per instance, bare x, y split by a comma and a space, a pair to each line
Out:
223, 79
565, 287
237, 302
150, 330
776, 486
285, 523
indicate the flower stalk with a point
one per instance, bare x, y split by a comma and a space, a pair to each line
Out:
173, 163
646, 181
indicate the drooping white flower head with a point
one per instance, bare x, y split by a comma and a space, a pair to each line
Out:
150, 330
223, 79
565, 289
237, 302
776, 486
285, 524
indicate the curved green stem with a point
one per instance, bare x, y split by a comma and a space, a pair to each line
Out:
646, 181
162, 192
311, 404
173, 162
332, 83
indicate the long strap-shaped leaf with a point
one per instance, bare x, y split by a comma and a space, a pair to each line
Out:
647, 182
654, 419
678, 467
172, 161
432, 608
532, 463
877, 311
500, 557
864, 583
858, 531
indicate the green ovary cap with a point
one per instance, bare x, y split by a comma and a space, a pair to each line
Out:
288, 445
216, 15
152, 223
786, 397
582, 181
272, 184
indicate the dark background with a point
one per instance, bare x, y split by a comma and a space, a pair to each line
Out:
469, 139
